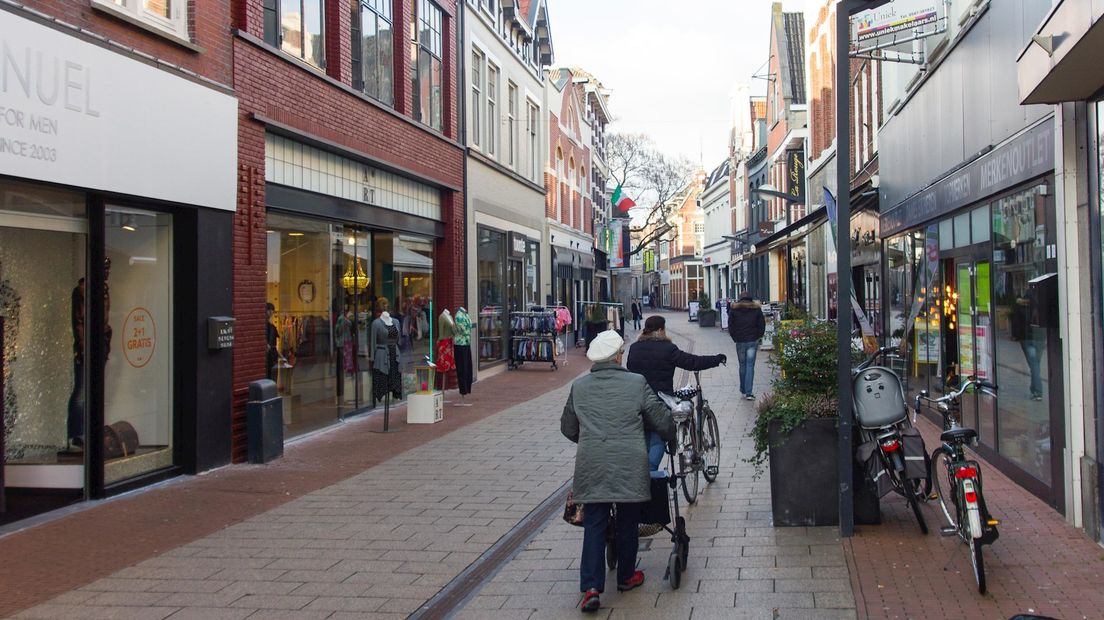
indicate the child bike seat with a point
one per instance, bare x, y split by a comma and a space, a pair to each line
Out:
958, 435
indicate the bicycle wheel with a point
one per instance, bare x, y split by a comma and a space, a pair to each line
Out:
914, 503
943, 483
687, 441
979, 565
711, 446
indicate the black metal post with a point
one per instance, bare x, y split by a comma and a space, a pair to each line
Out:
843, 261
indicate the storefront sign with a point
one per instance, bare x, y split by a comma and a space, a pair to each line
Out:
1029, 155
896, 16
220, 332
517, 245
139, 337
795, 175
69, 111
294, 164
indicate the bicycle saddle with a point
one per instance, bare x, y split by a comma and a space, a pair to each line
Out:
958, 435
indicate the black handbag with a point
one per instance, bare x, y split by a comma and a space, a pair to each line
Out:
573, 513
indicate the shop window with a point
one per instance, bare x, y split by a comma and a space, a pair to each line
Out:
168, 16
491, 259
979, 225
43, 247
1022, 339
138, 374
295, 26
373, 49
426, 50
962, 230
946, 235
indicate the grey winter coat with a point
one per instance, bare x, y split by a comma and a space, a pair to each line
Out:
606, 414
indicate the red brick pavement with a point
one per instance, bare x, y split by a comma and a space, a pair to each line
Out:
1038, 565
48, 560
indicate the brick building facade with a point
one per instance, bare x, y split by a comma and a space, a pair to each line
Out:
332, 107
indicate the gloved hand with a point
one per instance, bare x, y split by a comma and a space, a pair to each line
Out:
724, 360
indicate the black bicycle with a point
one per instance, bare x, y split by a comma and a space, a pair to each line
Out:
887, 429
958, 479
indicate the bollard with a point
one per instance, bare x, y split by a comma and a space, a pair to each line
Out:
265, 422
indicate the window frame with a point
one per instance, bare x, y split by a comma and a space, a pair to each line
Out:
176, 25
511, 122
477, 97
427, 17
357, 56
532, 119
491, 96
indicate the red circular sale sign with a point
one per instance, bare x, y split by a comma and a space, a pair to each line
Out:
139, 337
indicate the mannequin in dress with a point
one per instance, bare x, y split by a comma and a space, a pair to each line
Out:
461, 343
386, 374
445, 358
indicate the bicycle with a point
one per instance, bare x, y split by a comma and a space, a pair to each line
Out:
884, 425
959, 478
697, 437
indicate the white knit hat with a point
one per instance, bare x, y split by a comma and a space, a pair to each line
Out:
605, 346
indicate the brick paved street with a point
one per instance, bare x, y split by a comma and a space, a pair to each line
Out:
352, 524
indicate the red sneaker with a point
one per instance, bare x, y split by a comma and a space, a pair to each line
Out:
590, 602
635, 581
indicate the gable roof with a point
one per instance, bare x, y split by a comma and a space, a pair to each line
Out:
719, 175
794, 47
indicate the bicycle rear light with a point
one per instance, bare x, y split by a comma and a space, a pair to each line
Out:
966, 472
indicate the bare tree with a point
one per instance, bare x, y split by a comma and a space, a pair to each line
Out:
652, 179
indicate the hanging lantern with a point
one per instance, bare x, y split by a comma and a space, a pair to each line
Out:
355, 280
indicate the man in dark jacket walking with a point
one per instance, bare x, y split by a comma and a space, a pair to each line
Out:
746, 326
637, 314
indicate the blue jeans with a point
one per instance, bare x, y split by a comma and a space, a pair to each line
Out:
1031, 353
596, 518
745, 352
655, 449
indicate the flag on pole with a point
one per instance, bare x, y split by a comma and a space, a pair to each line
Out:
621, 202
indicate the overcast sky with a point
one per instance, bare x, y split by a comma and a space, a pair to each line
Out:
671, 65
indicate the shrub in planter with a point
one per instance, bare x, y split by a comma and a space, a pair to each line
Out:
707, 316
596, 323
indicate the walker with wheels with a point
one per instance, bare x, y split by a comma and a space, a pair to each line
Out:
656, 517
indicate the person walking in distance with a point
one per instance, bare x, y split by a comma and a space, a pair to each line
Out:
637, 314
607, 413
746, 326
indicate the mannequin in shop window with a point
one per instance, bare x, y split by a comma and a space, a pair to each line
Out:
272, 353
386, 374
462, 355
345, 330
445, 358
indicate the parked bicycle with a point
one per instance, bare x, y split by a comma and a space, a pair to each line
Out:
697, 438
958, 478
885, 427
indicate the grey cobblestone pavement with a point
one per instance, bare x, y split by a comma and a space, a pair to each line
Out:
739, 565
382, 543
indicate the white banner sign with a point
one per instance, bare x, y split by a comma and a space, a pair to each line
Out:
78, 114
895, 16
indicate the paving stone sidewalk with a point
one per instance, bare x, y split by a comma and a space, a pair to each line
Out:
376, 545
739, 565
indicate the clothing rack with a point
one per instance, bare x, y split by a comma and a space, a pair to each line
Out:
533, 337
614, 314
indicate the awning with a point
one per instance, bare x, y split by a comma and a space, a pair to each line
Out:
408, 260
1062, 60
791, 233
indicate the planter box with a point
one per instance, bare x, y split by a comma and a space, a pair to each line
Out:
804, 477
707, 318
593, 328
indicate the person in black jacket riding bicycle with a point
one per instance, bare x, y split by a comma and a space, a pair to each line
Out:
656, 357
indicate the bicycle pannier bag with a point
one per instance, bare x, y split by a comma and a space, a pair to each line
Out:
876, 476
912, 444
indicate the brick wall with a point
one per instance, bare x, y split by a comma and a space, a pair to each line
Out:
209, 23
307, 100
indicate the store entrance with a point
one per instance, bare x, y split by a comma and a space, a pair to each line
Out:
43, 258
968, 337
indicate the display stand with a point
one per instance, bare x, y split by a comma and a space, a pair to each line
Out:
532, 337
427, 408
386, 417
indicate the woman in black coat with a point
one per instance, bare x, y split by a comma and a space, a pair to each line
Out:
656, 357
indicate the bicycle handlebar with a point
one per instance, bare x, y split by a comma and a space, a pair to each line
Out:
957, 394
873, 356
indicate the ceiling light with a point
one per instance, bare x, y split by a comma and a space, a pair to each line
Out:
295, 234
128, 223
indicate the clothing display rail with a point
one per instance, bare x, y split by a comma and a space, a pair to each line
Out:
533, 337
